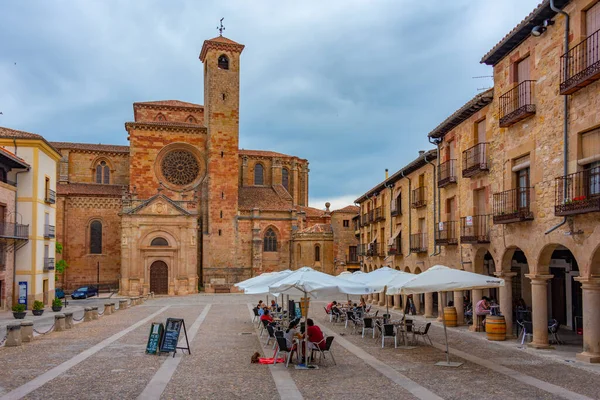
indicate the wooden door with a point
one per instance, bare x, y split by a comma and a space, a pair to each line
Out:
159, 278
524, 92
481, 131
559, 297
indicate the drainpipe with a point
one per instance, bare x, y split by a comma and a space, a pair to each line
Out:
409, 211
565, 114
436, 249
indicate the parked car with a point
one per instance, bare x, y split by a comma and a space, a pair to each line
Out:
84, 292
59, 293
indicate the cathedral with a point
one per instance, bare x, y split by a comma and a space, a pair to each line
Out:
183, 207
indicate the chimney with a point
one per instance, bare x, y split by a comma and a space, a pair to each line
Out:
421, 152
386, 173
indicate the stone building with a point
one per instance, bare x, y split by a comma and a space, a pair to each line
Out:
517, 188
183, 206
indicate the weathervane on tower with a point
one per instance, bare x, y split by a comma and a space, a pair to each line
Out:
221, 28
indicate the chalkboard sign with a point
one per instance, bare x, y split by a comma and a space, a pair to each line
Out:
171, 336
154, 338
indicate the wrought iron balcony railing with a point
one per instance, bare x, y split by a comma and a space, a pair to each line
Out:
475, 229
371, 215
446, 233
418, 197
373, 250
50, 196
9, 230
447, 173
418, 243
517, 104
48, 264
578, 193
512, 206
362, 249
580, 66
364, 220
379, 215
475, 160
396, 247
49, 231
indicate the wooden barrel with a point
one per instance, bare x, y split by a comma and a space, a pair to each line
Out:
495, 327
450, 316
304, 302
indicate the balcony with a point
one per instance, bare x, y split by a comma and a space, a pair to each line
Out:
580, 66
512, 206
418, 243
373, 250
371, 216
418, 197
49, 231
475, 160
396, 248
364, 220
517, 104
475, 229
396, 207
48, 264
379, 215
446, 173
362, 250
8, 230
446, 234
578, 193
50, 196
352, 258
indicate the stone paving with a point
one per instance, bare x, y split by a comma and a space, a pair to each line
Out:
104, 359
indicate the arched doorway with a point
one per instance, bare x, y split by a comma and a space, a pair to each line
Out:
564, 292
159, 278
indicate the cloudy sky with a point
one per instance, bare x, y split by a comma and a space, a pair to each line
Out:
354, 86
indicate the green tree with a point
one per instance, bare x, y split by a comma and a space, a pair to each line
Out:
60, 265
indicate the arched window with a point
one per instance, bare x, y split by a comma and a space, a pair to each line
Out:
223, 62
259, 174
160, 117
270, 241
317, 253
102, 173
159, 241
191, 120
285, 179
96, 237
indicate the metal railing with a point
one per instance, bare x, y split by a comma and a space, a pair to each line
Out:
14, 231
379, 215
396, 207
418, 197
373, 250
475, 229
418, 242
578, 193
352, 258
396, 247
581, 65
446, 233
517, 104
362, 249
50, 196
48, 264
49, 231
371, 214
512, 205
447, 173
364, 219
475, 160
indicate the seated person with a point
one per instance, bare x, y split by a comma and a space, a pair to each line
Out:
274, 305
314, 335
362, 304
261, 310
349, 304
260, 304
330, 306
482, 308
292, 333
267, 316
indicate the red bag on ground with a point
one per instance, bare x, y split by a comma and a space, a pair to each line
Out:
270, 360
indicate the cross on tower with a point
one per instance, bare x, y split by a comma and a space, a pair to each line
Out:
221, 28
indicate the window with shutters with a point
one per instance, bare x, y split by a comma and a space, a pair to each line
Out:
96, 237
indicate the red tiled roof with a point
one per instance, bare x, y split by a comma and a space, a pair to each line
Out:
222, 39
113, 148
66, 189
13, 157
317, 228
168, 103
264, 198
220, 43
262, 153
15, 134
348, 209
311, 211
282, 192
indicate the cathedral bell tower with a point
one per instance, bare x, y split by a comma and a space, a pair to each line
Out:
221, 58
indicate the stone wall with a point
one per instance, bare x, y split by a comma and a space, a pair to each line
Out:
7, 199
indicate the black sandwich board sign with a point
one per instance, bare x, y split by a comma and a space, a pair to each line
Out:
155, 337
171, 336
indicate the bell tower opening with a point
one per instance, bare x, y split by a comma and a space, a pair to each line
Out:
223, 62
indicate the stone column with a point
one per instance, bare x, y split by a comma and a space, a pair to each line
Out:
397, 302
107, 309
382, 298
13, 334
429, 305
87, 314
59, 322
591, 321
441, 302
68, 319
390, 300
506, 301
459, 304
26, 331
476, 295
369, 298
404, 302
539, 310
375, 298
417, 302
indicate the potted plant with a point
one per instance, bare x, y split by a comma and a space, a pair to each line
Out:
19, 311
38, 308
56, 305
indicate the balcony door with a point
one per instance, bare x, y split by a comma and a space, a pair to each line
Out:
480, 150
524, 95
523, 188
592, 25
594, 179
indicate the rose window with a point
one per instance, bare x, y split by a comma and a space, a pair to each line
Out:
180, 167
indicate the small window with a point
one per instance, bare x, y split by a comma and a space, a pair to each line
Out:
259, 174
159, 241
191, 120
223, 62
160, 117
285, 179
270, 241
96, 237
346, 223
317, 253
102, 173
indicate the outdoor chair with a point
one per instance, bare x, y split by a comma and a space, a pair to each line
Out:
368, 324
526, 330
349, 318
422, 332
328, 313
263, 327
388, 332
386, 318
328, 341
271, 335
281, 346
553, 326
368, 309
256, 316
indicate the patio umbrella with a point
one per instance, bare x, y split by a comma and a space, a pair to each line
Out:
262, 286
380, 278
308, 282
440, 278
